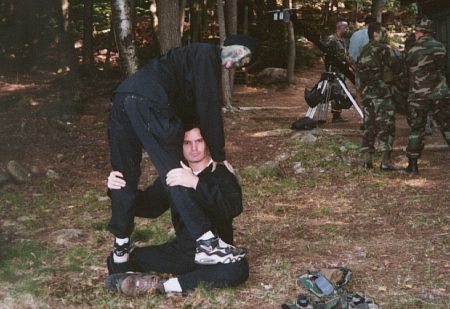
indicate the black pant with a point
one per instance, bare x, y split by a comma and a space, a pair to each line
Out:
135, 123
169, 258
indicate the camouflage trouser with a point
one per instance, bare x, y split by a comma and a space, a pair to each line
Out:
417, 119
379, 122
337, 92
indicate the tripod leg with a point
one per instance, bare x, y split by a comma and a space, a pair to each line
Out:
349, 95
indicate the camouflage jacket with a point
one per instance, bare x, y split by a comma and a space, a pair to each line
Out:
376, 67
337, 46
426, 66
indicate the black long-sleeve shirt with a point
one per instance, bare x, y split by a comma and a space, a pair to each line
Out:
185, 82
218, 193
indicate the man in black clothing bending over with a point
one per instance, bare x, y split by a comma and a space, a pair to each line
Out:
219, 196
150, 110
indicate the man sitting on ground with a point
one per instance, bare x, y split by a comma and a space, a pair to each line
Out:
217, 191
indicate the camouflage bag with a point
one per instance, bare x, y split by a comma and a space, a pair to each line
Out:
327, 291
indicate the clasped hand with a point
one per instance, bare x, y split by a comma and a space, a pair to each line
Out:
182, 176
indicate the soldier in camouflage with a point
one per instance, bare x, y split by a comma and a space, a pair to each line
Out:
376, 67
428, 90
337, 45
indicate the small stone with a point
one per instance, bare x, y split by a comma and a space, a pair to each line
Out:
297, 136
267, 287
59, 157
52, 174
17, 171
63, 236
308, 138
282, 157
298, 168
103, 198
34, 170
270, 169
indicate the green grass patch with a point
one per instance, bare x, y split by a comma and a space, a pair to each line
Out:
22, 263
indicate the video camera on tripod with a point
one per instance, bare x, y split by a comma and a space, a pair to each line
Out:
331, 85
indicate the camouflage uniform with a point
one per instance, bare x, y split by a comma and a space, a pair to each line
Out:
428, 90
339, 48
375, 69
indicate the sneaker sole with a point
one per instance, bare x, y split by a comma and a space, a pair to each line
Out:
205, 259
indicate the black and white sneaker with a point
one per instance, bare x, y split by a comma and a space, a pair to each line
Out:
121, 253
214, 250
115, 268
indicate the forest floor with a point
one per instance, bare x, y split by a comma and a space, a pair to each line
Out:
390, 229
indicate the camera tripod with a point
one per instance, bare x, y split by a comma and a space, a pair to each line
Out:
325, 86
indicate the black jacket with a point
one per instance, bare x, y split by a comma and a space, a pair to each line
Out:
218, 193
185, 82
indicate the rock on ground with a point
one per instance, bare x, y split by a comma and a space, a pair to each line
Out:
17, 171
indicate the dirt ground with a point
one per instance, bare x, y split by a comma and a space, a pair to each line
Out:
391, 229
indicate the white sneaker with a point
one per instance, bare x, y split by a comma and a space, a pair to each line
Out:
214, 250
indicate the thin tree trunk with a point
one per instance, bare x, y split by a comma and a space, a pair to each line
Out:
231, 23
88, 53
124, 36
291, 47
196, 20
67, 60
182, 16
226, 85
231, 20
111, 44
245, 21
169, 24
377, 9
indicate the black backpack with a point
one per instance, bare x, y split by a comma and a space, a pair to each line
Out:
303, 123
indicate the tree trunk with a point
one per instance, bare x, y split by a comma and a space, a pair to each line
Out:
88, 52
377, 9
182, 16
231, 23
169, 24
67, 60
196, 20
124, 36
245, 21
226, 81
291, 47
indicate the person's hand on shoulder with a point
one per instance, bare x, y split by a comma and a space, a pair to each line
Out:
226, 164
182, 176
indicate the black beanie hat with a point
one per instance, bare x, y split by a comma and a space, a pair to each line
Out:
242, 39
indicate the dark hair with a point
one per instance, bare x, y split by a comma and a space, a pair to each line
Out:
370, 19
373, 27
191, 124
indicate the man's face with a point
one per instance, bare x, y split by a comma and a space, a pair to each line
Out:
341, 30
194, 147
235, 56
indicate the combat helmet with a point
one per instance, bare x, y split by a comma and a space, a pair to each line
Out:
423, 24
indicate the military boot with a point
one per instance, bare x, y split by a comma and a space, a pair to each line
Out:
139, 284
386, 164
412, 167
367, 161
337, 118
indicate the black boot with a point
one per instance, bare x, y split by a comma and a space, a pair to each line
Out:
337, 118
412, 167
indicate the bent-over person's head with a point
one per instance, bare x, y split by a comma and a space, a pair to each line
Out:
238, 50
